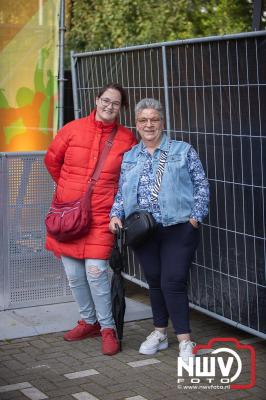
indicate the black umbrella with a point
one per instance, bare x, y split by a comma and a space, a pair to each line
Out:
117, 286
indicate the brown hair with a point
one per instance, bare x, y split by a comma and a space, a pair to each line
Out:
119, 88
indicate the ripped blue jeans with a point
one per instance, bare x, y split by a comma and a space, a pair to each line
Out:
90, 286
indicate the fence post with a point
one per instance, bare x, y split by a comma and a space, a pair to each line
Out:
166, 94
4, 249
61, 79
257, 13
74, 85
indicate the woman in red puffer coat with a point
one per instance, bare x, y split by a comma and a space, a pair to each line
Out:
70, 160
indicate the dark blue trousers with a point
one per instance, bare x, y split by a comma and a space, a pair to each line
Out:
165, 260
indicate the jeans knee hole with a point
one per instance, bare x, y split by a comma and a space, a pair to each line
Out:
94, 271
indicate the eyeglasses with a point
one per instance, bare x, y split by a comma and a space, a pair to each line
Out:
144, 121
106, 102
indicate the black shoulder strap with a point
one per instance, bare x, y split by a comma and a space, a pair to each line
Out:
159, 174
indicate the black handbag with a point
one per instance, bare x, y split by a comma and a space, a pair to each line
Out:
139, 227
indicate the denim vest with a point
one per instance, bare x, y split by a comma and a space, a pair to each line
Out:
176, 191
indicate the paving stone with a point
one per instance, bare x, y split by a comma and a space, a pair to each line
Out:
234, 394
48, 356
4, 357
16, 386
84, 396
14, 379
111, 380
96, 389
25, 341
69, 390
6, 373
59, 345
3, 381
13, 364
123, 386
9, 353
59, 367
162, 387
64, 397
40, 344
112, 375
174, 397
43, 384
13, 344
13, 396
118, 395
32, 351
148, 392
198, 395
255, 393
99, 379
77, 354
34, 394
33, 366
142, 363
22, 357
81, 374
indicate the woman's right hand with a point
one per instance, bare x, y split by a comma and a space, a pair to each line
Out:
115, 221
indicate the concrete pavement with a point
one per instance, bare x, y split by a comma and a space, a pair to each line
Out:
47, 367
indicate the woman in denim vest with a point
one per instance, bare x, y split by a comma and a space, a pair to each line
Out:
179, 208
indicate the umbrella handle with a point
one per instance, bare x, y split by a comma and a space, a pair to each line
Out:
119, 237
118, 231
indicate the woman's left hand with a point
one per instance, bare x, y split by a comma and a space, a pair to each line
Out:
115, 221
194, 222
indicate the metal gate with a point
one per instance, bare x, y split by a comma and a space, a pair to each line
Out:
214, 93
29, 275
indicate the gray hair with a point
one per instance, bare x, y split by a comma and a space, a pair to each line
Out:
149, 103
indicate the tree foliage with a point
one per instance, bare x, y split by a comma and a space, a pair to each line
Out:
97, 24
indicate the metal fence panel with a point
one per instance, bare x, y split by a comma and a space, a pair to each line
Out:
29, 275
214, 92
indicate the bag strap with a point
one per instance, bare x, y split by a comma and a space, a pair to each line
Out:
159, 174
98, 169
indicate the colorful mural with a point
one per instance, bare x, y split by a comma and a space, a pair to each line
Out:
29, 68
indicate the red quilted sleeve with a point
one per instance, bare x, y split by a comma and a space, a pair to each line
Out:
55, 155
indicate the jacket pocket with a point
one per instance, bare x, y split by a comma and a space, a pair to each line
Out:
174, 158
128, 166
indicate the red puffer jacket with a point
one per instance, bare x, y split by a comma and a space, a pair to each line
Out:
70, 160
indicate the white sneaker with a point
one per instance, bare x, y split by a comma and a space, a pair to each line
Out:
185, 350
154, 342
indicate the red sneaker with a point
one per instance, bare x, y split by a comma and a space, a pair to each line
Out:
110, 344
83, 331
